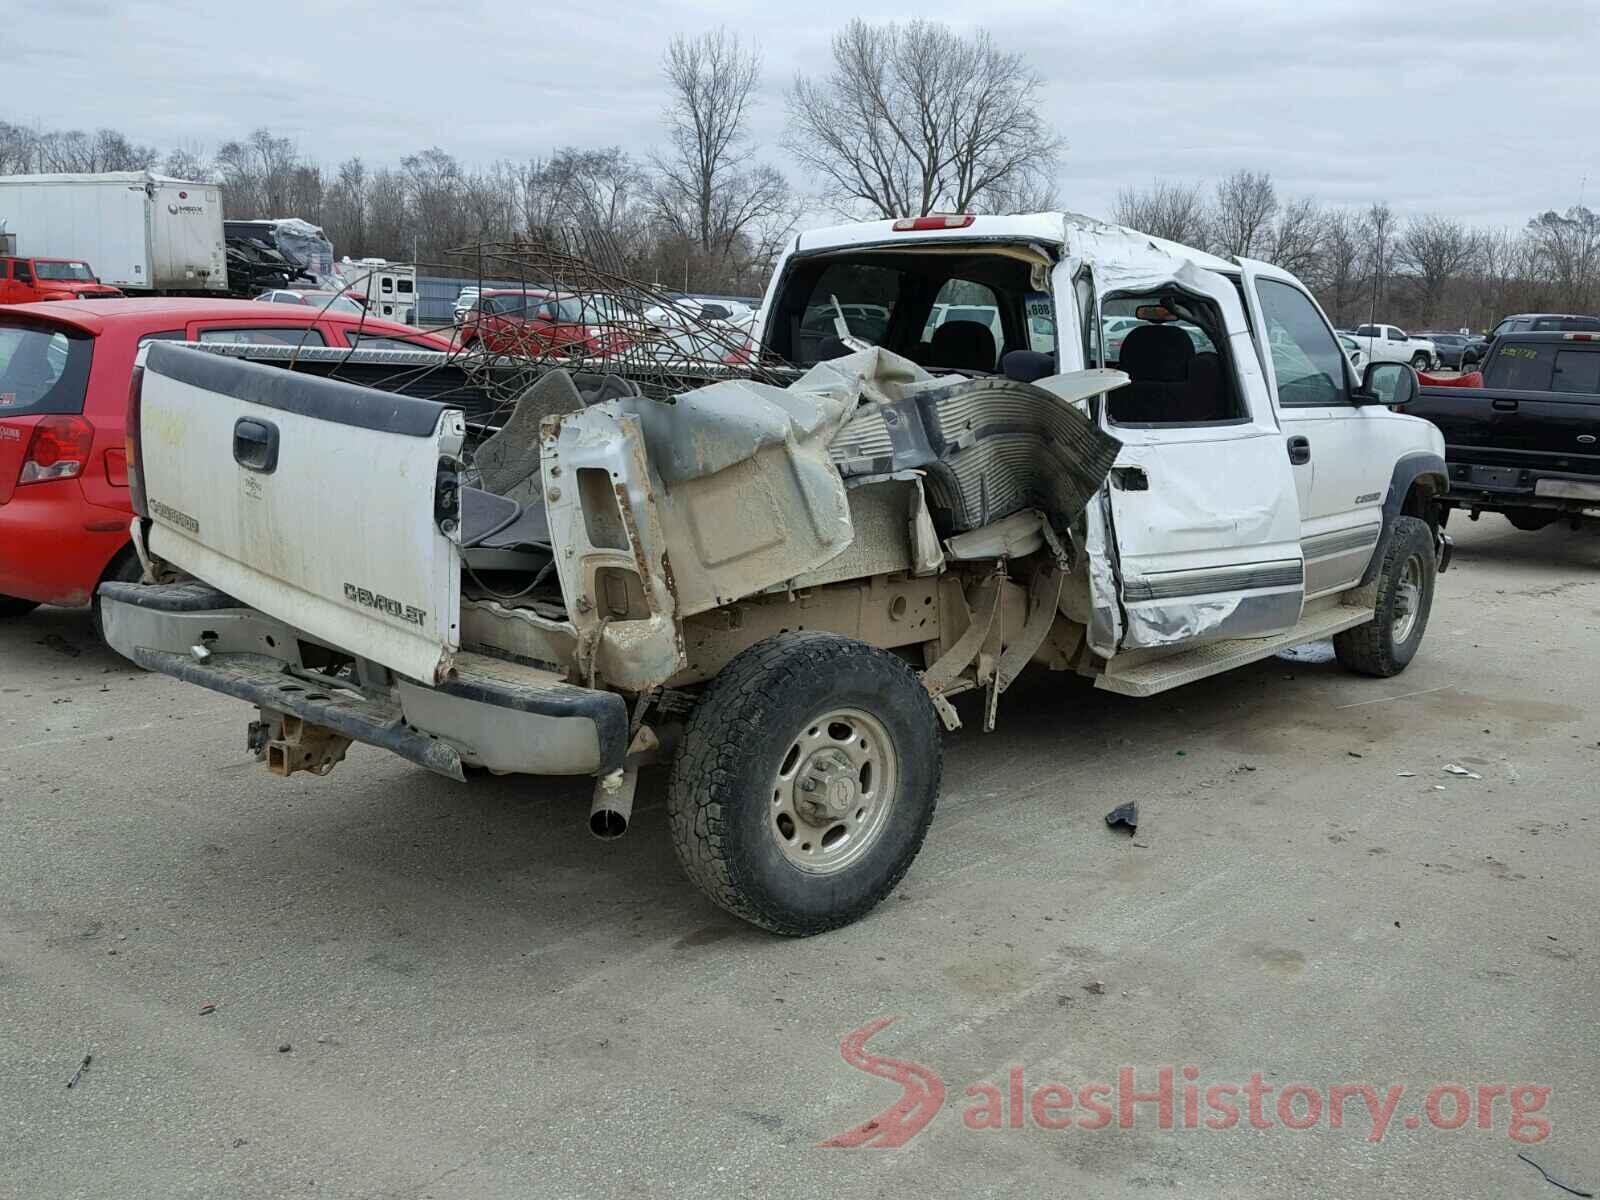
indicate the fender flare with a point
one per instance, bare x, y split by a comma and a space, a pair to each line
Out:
1408, 469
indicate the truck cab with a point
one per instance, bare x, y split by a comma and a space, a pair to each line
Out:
28, 280
1390, 343
781, 583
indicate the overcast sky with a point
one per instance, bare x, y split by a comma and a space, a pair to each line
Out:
1482, 109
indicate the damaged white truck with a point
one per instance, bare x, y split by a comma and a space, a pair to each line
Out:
782, 588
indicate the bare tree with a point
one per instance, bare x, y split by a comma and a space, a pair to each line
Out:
256, 174
1435, 250
19, 149
1338, 270
914, 118
1568, 249
1242, 213
1295, 240
1378, 226
1165, 210
710, 198
187, 161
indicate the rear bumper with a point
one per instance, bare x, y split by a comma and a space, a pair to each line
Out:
55, 545
488, 713
1496, 487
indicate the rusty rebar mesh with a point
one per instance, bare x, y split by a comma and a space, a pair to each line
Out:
619, 324
607, 321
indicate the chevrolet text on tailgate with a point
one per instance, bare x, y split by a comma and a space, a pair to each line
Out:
783, 588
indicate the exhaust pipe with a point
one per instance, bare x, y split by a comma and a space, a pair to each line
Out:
613, 803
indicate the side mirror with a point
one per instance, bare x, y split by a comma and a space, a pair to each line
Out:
1390, 383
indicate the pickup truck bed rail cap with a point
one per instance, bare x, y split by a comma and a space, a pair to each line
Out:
304, 394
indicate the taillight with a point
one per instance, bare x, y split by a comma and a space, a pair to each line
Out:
1582, 337
135, 463
58, 449
949, 221
743, 356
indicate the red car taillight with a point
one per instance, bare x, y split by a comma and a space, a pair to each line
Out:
135, 463
742, 357
58, 449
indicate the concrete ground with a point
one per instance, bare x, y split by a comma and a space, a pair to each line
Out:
424, 989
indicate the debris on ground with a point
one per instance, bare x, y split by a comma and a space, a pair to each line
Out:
83, 1066
1405, 774
1551, 1179
1126, 815
284, 1047
1456, 769
1095, 988
207, 1009
56, 642
1355, 753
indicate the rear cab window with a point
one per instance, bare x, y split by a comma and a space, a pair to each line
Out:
941, 309
43, 369
1522, 367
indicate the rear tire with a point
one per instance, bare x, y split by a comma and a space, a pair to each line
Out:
1531, 520
805, 782
15, 606
1403, 597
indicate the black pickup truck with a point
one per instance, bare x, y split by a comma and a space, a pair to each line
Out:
1527, 442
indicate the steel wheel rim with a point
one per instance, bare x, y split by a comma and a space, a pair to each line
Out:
1407, 598
833, 790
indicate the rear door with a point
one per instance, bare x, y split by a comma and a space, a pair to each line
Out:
310, 499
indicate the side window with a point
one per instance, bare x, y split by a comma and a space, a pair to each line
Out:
165, 335
1397, 335
1040, 310
293, 336
1577, 371
387, 284
1309, 366
405, 287
24, 273
369, 341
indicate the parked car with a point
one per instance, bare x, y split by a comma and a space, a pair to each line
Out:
537, 323
1116, 331
31, 280
64, 371
1527, 442
339, 302
465, 299
1352, 350
1456, 351
933, 531
1389, 343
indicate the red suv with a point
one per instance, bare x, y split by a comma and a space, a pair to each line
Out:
538, 323
65, 369
29, 280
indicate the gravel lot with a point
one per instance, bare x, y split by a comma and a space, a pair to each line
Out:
424, 989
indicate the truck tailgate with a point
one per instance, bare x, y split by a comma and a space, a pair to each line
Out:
1544, 431
309, 499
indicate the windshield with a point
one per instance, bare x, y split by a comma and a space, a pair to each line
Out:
76, 272
338, 304
589, 310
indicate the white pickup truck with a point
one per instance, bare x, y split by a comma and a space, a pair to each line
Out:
783, 587
1390, 343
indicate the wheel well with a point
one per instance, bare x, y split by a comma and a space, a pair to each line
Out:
1422, 499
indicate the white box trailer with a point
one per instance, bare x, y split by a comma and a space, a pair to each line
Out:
139, 231
390, 288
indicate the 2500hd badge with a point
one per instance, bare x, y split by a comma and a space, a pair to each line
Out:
409, 613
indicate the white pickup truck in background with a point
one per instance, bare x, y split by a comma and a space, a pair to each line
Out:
1389, 343
781, 588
